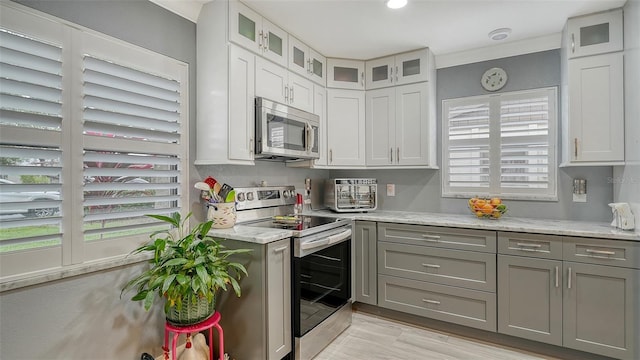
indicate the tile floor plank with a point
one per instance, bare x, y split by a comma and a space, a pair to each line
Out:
373, 338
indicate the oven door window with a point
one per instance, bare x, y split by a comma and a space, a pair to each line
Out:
322, 285
285, 133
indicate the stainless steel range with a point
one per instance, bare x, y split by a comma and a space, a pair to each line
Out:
321, 264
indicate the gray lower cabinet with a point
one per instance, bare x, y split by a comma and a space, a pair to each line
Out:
440, 273
573, 292
530, 298
366, 271
257, 325
441, 302
600, 311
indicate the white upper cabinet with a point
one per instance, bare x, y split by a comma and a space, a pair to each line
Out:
250, 30
278, 84
399, 130
306, 62
399, 69
596, 110
595, 34
345, 74
345, 128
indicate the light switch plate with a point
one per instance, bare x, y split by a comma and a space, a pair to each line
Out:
391, 189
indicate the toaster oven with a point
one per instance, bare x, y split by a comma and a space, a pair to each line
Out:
351, 195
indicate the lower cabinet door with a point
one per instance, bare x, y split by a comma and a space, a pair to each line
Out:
366, 270
530, 298
600, 309
441, 302
278, 299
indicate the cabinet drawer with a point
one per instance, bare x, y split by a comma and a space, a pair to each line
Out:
461, 239
446, 303
473, 270
602, 251
540, 246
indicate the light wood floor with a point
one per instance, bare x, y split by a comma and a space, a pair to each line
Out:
373, 338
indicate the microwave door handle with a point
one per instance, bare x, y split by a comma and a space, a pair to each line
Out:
310, 138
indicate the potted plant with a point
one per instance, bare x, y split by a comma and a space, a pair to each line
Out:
188, 268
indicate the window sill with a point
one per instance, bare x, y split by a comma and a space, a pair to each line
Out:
40, 277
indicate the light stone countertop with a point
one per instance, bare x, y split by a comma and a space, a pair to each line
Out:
251, 234
468, 221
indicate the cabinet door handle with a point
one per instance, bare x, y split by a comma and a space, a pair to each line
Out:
431, 266
330, 155
600, 252
575, 147
390, 74
280, 249
266, 41
309, 66
569, 278
362, 76
398, 155
291, 94
557, 277
431, 301
251, 146
260, 39
396, 74
431, 237
391, 155
573, 43
286, 93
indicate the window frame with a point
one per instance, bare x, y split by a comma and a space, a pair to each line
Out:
494, 101
74, 256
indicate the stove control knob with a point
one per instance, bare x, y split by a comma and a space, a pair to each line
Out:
241, 196
249, 196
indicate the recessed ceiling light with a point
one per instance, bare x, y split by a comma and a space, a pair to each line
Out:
499, 34
396, 4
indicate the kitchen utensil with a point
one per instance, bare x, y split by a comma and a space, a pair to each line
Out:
224, 191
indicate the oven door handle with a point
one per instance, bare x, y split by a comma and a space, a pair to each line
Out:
339, 237
328, 241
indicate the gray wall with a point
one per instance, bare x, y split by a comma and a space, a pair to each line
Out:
420, 190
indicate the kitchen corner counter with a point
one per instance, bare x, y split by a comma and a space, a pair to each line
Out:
524, 225
251, 234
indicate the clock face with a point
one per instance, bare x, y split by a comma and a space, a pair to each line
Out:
494, 79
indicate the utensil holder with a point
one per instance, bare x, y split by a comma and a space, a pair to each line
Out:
223, 215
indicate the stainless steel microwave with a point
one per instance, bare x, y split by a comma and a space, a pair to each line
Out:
285, 133
351, 195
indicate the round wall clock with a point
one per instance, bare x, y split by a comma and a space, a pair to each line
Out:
494, 79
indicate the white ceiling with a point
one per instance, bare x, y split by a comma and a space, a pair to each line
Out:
365, 29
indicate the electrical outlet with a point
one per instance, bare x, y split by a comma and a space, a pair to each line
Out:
580, 198
391, 189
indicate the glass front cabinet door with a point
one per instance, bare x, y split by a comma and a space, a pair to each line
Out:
405, 68
306, 62
345, 74
595, 34
253, 32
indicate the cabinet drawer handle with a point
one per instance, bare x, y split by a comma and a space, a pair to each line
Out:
431, 237
600, 252
557, 277
431, 266
569, 278
525, 245
431, 301
280, 249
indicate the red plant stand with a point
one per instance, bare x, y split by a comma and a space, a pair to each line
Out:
208, 324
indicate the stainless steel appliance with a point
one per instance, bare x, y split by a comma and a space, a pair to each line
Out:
285, 133
351, 195
321, 264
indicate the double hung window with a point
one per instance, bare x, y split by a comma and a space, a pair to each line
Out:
500, 145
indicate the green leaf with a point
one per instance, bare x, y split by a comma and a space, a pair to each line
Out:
182, 280
175, 262
139, 296
148, 300
167, 282
202, 273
